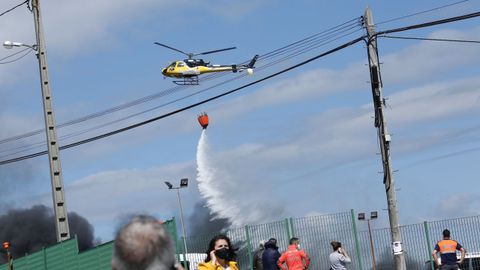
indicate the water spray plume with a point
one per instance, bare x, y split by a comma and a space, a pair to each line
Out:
210, 182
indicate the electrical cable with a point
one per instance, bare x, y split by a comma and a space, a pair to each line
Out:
108, 134
277, 52
434, 39
29, 50
7, 11
421, 12
427, 24
467, 16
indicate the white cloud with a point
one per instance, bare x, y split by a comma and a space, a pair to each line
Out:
427, 59
459, 204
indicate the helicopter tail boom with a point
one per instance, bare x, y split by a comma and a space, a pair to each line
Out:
252, 62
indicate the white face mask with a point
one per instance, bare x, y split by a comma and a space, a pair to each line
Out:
298, 246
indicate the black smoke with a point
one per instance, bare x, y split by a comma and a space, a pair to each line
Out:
203, 222
29, 230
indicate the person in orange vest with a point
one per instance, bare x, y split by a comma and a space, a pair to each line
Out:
294, 257
448, 252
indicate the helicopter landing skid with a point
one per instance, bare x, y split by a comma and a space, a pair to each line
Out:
187, 81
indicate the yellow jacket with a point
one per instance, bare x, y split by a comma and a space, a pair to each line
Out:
209, 266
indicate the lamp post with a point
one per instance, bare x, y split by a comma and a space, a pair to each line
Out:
373, 215
183, 184
58, 194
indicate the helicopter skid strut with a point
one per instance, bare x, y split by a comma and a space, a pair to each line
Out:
187, 81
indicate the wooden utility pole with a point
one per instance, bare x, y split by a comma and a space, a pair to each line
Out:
384, 140
59, 205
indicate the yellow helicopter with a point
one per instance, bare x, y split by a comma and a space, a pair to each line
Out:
189, 69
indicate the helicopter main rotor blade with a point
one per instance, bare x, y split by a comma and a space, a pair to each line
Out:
221, 50
171, 48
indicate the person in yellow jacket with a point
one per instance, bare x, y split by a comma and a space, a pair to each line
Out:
220, 255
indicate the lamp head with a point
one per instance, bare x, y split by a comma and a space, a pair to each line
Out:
374, 215
9, 44
170, 186
361, 216
184, 182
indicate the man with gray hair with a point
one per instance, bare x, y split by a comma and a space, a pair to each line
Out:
143, 244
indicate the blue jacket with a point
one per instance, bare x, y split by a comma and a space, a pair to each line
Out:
270, 256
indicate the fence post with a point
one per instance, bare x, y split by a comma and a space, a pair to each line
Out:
287, 229
175, 237
44, 252
427, 237
249, 247
292, 230
357, 245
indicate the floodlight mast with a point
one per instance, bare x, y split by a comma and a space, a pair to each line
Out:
59, 204
384, 141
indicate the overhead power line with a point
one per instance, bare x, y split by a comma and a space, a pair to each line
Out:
290, 51
7, 11
29, 50
435, 39
111, 133
422, 12
378, 34
428, 24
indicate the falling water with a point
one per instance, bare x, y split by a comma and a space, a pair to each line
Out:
210, 182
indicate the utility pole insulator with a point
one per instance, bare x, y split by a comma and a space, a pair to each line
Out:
384, 141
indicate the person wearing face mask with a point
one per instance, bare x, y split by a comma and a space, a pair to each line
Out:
294, 257
220, 255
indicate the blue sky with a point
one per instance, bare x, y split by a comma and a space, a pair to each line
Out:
302, 143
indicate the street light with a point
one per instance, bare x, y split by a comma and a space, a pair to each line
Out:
373, 215
183, 184
10, 44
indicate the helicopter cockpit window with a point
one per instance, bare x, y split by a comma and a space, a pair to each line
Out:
180, 64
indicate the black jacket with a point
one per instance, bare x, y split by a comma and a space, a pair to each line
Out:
270, 256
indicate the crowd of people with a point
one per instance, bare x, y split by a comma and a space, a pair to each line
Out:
144, 244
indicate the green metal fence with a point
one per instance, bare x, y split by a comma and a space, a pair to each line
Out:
315, 234
65, 256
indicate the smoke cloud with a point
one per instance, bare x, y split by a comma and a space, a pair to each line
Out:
28, 230
203, 222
